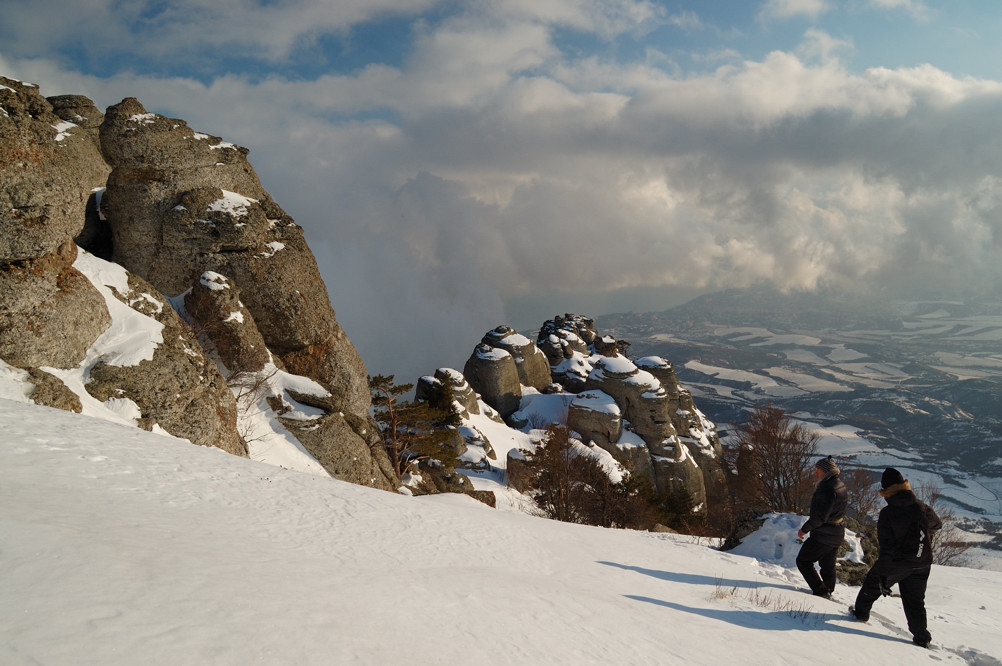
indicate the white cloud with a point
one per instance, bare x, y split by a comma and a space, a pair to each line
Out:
784, 9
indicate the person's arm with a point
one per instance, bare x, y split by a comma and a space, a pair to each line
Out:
932, 521
821, 506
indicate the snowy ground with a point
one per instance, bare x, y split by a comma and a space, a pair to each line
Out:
119, 546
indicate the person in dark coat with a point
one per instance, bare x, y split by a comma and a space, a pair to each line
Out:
904, 533
826, 526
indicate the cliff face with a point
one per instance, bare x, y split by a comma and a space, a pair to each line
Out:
169, 206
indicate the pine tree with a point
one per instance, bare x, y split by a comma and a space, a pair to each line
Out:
411, 430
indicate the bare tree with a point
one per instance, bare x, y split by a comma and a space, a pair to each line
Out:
863, 495
948, 544
774, 459
248, 389
573, 487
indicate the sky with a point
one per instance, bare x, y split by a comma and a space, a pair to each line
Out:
457, 165
123, 546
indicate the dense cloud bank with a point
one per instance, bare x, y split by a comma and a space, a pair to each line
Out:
491, 164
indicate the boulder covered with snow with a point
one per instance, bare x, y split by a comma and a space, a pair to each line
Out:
532, 365
596, 417
463, 395
223, 322
171, 384
48, 168
346, 447
493, 373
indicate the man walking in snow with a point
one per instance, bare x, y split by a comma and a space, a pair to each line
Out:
826, 526
904, 535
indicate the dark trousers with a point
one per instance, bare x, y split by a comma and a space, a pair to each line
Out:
912, 589
814, 551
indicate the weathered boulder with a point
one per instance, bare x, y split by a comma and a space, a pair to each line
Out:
49, 390
518, 472
463, 394
224, 325
494, 375
80, 111
178, 388
532, 365
565, 343
180, 203
695, 431
49, 312
596, 417
347, 447
640, 396
48, 168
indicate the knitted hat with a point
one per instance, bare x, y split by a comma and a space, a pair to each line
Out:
827, 465
891, 477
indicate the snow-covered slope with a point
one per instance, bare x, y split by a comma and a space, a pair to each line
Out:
119, 546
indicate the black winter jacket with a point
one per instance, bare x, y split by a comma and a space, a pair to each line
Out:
826, 523
896, 533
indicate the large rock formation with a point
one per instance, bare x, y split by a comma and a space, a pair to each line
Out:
180, 203
186, 215
530, 363
54, 312
663, 435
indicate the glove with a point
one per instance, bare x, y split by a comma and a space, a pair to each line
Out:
885, 589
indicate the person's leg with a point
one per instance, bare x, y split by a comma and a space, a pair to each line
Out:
913, 601
868, 593
810, 553
827, 564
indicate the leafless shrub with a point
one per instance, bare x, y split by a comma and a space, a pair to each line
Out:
863, 494
248, 389
774, 461
948, 543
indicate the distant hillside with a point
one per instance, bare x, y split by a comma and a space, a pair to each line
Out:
920, 382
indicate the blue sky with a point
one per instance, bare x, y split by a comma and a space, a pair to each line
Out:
457, 165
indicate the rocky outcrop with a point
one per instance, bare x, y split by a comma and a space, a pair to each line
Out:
50, 314
48, 168
493, 374
180, 203
637, 411
186, 215
531, 364
463, 395
224, 325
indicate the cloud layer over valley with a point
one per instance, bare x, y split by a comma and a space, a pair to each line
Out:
461, 165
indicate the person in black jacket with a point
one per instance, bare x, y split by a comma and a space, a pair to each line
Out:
904, 533
826, 526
